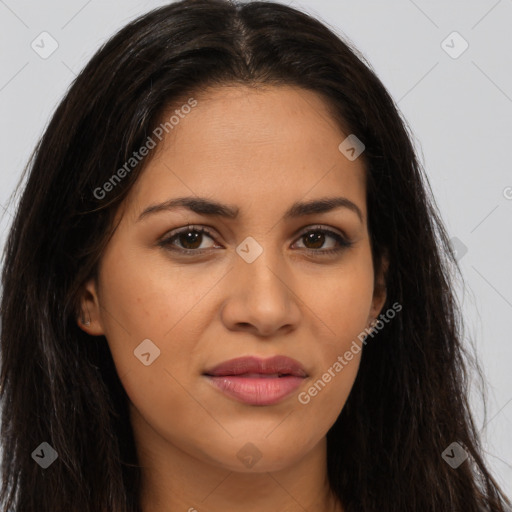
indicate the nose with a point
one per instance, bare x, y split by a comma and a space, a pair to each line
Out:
260, 298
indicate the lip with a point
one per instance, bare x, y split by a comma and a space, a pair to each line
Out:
257, 381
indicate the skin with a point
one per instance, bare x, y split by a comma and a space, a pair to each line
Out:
261, 151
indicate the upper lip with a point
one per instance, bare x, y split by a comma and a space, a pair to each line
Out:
280, 365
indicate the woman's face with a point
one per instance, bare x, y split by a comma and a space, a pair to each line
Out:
258, 284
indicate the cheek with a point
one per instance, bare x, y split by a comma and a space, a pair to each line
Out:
133, 310
144, 301
342, 299
339, 357
342, 304
142, 298
328, 391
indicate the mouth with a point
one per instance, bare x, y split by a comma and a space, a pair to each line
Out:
256, 381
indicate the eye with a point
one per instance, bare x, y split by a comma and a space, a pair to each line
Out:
315, 238
189, 238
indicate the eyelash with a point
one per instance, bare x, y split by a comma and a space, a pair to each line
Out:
166, 242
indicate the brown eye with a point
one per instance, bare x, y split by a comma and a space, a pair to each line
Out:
189, 240
315, 238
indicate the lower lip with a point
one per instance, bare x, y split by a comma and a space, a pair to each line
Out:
257, 391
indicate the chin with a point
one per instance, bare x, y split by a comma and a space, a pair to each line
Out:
258, 456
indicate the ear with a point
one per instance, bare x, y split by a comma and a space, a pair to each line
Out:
379, 289
90, 318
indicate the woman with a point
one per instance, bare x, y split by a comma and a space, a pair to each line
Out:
227, 285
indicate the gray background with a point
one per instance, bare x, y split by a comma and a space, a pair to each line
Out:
459, 110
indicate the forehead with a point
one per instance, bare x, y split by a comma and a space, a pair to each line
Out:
264, 147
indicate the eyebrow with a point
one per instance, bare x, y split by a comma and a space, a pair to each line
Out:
204, 206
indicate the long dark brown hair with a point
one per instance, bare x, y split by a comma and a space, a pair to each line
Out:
59, 385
